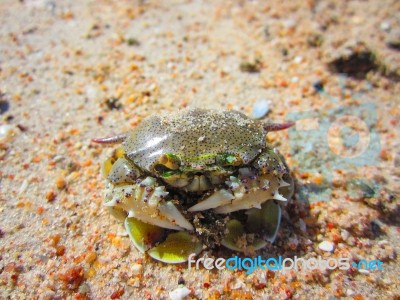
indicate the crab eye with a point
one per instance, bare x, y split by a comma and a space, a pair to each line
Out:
229, 160
167, 174
167, 162
176, 178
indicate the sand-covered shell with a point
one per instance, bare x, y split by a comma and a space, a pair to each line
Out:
196, 136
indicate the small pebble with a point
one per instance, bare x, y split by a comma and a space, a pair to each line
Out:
181, 280
84, 288
318, 86
137, 269
50, 196
298, 59
383, 242
393, 39
261, 108
385, 26
179, 293
92, 92
302, 225
4, 106
60, 183
349, 292
267, 34
344, 234
6, 132
289, 23
326, 246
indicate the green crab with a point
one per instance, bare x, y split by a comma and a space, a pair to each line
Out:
195, 179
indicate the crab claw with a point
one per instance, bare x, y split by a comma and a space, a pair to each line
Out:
176, 248
246, 191
169, 248
144, 236
145, 201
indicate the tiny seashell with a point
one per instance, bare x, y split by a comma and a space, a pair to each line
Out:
261, 109
179, 293
326, 246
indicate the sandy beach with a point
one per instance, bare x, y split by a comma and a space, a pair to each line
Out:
71, 71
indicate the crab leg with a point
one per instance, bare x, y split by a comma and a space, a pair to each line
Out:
221, 197
146, 202
111, 140
278, 126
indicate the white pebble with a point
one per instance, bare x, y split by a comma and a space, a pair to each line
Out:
137, 269
385, 26
92, 92
344, 234
263, 278
289, 23
298, 59
350, 292
179, 293
326, 246
238, 285
260, 109
6, 132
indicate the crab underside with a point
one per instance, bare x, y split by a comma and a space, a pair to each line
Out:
242, 214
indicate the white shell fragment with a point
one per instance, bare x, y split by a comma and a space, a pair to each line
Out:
179, 293
260, 109
326, 246
6, 133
